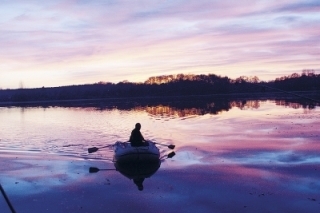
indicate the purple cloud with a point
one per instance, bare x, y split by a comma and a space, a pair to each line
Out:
156, 37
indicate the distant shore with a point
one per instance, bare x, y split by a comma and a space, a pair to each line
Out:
309, 96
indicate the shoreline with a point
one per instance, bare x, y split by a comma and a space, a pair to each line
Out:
233, 96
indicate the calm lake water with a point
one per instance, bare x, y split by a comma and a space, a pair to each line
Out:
235, 156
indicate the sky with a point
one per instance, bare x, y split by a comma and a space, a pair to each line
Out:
56, 43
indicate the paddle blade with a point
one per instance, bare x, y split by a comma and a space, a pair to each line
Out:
93, 149
171, 154
171, 146
93, 170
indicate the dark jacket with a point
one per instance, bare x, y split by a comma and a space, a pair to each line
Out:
136, 138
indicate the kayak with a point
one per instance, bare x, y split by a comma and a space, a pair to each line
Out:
123, 151
136, 162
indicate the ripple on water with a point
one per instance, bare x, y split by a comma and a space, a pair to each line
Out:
71, 131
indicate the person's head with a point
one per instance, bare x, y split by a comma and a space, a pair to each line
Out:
138, 182
140, 187
138, 126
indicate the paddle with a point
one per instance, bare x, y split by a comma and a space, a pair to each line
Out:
7, 199
171, 146
95, 169
170, 155
94, 149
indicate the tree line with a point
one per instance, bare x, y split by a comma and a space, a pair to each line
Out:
165, 86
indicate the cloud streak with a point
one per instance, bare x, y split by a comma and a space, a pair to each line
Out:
140, 39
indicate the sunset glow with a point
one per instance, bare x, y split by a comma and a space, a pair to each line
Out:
55, 43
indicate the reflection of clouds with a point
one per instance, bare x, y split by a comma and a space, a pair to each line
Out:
188, 158
191, 156
279, 136
274, 157
262, 188
27, 174
295, 158
266, 159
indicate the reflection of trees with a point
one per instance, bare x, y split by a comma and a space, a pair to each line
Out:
248, 104
179, 109
186, 108
172, 111
178, 106
197, 107
296, 104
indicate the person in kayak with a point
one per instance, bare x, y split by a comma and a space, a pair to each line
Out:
136, 138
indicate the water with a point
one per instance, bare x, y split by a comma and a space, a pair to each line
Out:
234, 156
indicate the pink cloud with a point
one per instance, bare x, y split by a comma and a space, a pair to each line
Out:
225, 38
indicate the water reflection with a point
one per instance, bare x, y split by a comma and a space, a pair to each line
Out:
140, 169
202, 107
178, 106
262, 154
137, 169
69, 131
